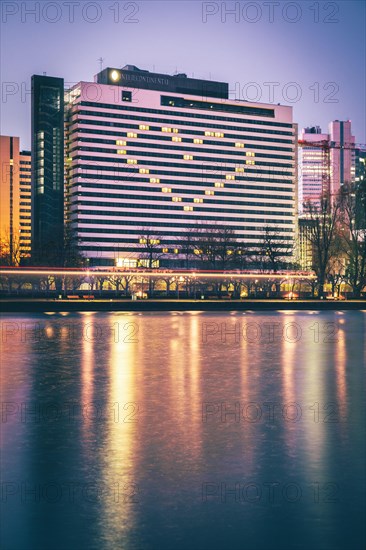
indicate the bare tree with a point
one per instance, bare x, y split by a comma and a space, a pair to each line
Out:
353, 242
276, 251
215, 246
10, 250
151, 248
324, 220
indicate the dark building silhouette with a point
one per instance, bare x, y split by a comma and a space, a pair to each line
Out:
47, 169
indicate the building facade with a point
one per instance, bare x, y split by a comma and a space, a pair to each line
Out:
15, 208
25, 210
326, 161
47, 169
313, 165
152, 156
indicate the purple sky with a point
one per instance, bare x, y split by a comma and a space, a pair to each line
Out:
319, 46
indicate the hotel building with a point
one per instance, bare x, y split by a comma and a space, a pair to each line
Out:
155, 156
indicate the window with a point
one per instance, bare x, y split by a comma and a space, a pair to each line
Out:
166, 189
121, 151
176, 199
126, 96
131, 135
212, 134
239, 169
196, 140
187, 208
144, 127
131, 161
219, 134
175, 138
238, 144
165, 250
144, 170
175, 130
166, 129
187, 157
120, 142
197, 200
250, 154
219, 184
250, 162
209, 192
154, 180
176, 251
229, 177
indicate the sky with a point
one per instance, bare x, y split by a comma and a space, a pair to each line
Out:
308, 54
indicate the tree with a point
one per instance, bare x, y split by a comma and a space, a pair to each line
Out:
324, 220
353, 242
10, 250
275, 249
151, 249
215, 246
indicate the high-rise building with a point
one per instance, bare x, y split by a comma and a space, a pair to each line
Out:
328, 164
313, 165
47, 168
9, 197
342, 155
15, 207
25, 210
154, 155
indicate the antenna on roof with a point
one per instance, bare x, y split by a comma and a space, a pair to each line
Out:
101, 61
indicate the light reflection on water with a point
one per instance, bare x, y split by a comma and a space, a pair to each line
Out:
183, 431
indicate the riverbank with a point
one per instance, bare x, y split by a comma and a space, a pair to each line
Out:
39, 306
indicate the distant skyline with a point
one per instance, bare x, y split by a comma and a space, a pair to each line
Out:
315, 63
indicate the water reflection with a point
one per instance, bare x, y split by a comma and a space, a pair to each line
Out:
146, 423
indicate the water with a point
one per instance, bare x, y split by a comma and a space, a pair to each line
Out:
183, 431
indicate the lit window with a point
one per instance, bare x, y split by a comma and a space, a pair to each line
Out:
187, 157
219, 184
165, 250
197, 251
166, 129
144, 127
197, 200
209, 192
154, 180
229, 177
250, 161
142, 241
121, 152
250, 154
238, 144
219, 134
166, 189
187, 208
175, 130
131, 161
120, 142
131, 135
176, 199
196, 140
175, 138
176, 250
212, 134
144, 170
239, 169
